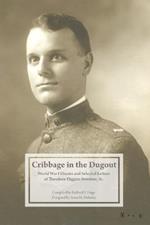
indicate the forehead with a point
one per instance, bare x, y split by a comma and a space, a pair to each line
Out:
60, 39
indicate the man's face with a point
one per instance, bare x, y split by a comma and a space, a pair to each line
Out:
56, 67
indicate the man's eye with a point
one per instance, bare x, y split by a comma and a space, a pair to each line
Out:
57, 58
34, 59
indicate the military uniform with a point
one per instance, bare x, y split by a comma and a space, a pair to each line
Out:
80, 130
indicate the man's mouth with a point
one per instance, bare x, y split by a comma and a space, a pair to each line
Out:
51, 83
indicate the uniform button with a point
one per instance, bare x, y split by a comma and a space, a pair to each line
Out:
47, 138
57, 122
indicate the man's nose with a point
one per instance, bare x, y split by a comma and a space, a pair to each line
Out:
44, 68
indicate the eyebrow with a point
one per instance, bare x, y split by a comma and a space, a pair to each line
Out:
49, 52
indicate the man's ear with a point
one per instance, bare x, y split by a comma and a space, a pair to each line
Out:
88, 61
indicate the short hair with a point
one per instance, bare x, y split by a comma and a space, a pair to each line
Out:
51, 21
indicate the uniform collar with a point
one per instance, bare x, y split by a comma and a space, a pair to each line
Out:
82, 99
75, 114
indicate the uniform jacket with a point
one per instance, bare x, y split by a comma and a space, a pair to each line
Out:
80, 130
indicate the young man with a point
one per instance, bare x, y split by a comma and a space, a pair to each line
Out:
59, 58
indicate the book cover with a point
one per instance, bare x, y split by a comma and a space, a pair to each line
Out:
110, 117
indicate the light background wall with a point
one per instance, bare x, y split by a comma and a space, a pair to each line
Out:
118, 85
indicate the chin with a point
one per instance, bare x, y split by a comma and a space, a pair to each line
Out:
46, 102
49, 101
45, 98
53, 101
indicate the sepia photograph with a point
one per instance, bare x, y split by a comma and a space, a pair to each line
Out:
75, 80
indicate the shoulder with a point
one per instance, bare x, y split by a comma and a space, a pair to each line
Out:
113, 138
110, 134
33, 147
106, 126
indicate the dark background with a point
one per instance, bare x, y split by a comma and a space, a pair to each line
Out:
119, 83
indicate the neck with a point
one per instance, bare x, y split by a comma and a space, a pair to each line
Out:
74, 114
77, 102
